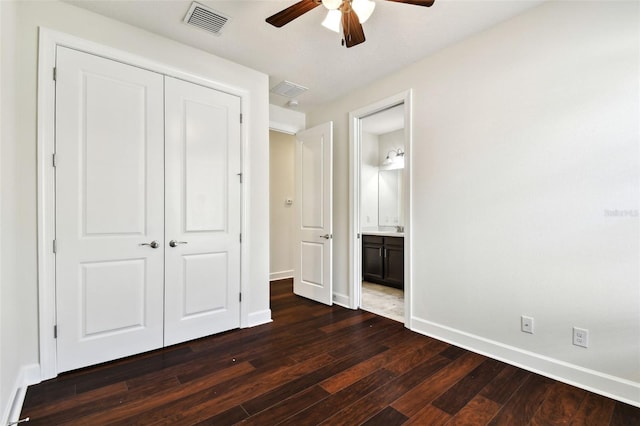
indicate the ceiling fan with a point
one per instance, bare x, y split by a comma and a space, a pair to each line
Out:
350, 14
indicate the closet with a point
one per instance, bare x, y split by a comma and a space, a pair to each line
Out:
148, 208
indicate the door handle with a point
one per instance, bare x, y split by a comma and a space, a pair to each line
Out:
174, 243
326, 236
153, 244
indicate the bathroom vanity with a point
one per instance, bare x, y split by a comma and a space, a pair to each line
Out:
383, 258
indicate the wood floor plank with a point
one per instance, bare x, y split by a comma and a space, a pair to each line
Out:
314, 364
374, 402
347, 322
321, 411
230, 417
625, 414
386, 417
405, 363
595, 410
560, 405
505, 384
479, 411
43, 410
116, 407
195, 406
466, 389
415, 399
292, 387
351, 375
521, 407
284, 409
428, 415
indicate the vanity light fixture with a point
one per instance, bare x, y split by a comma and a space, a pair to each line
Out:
394, 160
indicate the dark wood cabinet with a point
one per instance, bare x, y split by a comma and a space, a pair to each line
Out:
383, 260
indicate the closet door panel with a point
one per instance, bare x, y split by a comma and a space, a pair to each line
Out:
109, 201
202, 211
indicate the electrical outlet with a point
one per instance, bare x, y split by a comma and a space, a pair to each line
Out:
526, 324
581, 337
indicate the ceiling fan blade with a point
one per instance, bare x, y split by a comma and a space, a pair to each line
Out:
425, 3
292, 12
352, 28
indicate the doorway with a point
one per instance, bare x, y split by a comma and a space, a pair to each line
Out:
379, 249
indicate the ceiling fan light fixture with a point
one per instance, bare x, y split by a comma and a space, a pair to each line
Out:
331, 4
332, 21
364, 9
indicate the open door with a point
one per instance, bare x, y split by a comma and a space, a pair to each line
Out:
313, 274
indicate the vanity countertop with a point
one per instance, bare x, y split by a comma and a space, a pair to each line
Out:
382, 232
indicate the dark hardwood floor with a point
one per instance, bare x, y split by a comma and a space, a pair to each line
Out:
312, 365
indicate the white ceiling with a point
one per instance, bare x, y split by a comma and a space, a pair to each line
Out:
306, 53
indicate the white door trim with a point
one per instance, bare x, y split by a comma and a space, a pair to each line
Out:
48, 41
355, 252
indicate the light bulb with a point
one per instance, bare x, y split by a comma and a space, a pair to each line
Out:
363, 8
332, 21
331, 4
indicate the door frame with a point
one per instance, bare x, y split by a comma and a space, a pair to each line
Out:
355, 154
49, 40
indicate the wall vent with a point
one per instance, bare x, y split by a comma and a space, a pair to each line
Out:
206, 18
288, 89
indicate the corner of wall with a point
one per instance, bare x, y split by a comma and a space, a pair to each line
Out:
27, 376
591, 380
259, 318
285, 120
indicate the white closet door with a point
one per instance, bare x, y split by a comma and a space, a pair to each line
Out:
109, 201
202, 211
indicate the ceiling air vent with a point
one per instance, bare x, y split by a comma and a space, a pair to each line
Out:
206, 18
288, 89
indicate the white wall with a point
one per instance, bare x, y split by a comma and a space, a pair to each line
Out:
525, 191
17, 321
370, 148
286, 120
18, 330
281, 214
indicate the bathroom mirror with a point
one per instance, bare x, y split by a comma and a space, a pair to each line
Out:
390, 198
382, 165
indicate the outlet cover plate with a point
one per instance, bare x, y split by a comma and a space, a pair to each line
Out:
581, 337
526, 324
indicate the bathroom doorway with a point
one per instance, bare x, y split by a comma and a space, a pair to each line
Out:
380, 214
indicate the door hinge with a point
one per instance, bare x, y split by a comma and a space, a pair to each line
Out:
53, 160
55, 331
240, 118
358, 236
240, 299
55, 246
240, 237
55, 74
240, 175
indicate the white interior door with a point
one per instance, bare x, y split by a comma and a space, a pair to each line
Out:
109, 201
203, 211
313, 277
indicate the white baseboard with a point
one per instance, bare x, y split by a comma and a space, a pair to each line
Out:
259, 318
28, 375
342, 300
280, 275
594, 381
